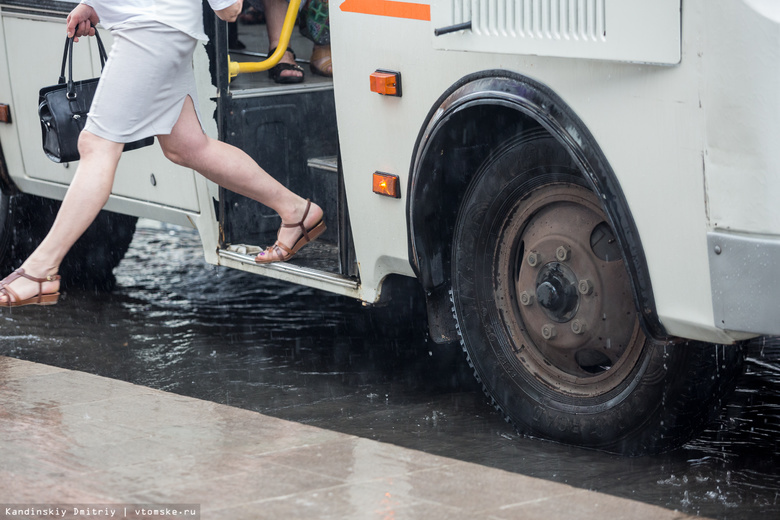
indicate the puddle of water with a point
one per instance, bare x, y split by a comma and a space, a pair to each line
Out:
177, 324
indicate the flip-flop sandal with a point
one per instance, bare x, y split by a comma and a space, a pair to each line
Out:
275, 73
320, 62
40, 299
280, 252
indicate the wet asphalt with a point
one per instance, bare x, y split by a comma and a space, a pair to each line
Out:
177, 324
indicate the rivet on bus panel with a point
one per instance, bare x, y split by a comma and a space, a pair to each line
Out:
386, 184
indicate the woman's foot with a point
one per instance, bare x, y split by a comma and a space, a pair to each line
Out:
320, 62
295, 233
286, 71
29, 285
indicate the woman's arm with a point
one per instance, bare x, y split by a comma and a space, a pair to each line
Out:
230, 13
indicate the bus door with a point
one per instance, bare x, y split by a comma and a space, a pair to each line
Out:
290, 130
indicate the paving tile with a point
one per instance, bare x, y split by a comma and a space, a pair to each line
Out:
585, 505
64, 387
341, 503
12, 369
46, 489
145, 411
131, 480
474, 488
18, 465
357, 460
428, 511
268, 481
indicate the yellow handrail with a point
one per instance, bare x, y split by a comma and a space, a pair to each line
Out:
235, 68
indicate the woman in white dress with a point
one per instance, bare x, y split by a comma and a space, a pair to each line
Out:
148, 88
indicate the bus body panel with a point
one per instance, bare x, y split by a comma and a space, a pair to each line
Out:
650, 121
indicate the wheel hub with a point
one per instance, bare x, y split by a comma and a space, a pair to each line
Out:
573, 301
556, 291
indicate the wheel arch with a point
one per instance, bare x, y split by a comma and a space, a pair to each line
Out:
466, 124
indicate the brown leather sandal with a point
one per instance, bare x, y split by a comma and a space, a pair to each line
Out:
280, 252
39, 299
320, 62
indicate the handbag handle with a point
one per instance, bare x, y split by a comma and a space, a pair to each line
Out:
67, 57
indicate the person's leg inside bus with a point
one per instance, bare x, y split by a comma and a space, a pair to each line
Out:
86, 196
286, 71
232, 168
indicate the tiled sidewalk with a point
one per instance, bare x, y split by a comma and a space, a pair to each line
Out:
72, 438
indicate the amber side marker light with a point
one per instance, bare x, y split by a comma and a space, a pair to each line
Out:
386, 184
386, 82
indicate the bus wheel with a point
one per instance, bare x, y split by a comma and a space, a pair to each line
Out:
6, 227
545, 313
90, 263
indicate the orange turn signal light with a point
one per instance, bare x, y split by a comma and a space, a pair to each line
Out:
386, 184
386, 82
5, 113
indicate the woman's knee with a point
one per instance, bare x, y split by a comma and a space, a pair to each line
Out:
88, 143
182, 151
175, 154
91, 145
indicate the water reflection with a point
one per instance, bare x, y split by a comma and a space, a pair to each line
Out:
177, 324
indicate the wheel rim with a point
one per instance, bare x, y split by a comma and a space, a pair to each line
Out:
564, 294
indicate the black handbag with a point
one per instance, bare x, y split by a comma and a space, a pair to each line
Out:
62, 109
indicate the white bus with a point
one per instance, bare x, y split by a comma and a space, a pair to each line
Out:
585, 190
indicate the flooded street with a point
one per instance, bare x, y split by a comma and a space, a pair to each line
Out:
177, 324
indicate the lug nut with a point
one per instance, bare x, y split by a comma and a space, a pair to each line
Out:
585, 287
562, 253
526, 298
548, 331
534, 259
578, 326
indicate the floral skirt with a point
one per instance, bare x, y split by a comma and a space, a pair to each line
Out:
314, 21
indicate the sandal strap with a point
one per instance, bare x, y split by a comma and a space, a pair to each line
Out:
281, 67
277, 250
300, 224
9, 293
283, 247
289, 49
10, 278
49, 278
19, 273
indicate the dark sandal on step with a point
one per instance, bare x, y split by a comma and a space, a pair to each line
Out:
280, 252
275, 73
39, 299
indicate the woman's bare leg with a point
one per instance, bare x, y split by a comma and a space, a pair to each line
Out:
86, 196
233, 169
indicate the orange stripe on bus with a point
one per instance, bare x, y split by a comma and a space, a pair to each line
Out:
388, 8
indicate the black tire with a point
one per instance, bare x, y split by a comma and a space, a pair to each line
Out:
91, 261
6, 225
545, 313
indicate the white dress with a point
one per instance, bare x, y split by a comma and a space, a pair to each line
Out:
149, 72
184, 15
